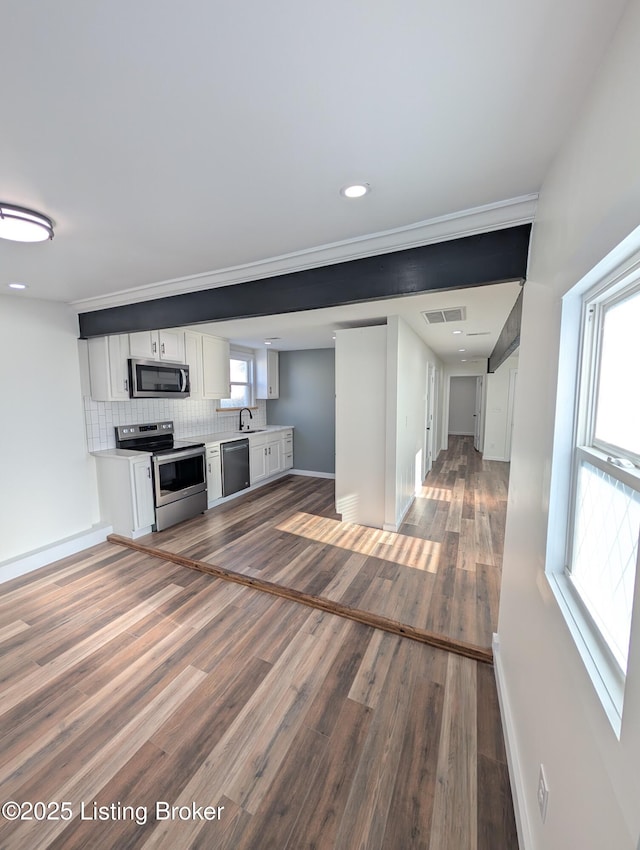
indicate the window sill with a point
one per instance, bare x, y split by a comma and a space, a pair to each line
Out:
600, 668
235, 409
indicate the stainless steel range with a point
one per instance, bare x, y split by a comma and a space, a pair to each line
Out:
179, 477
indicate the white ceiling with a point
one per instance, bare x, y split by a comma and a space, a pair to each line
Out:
172, 140
487, 308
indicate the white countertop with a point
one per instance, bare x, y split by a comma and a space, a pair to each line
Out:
225, 436
125, 454
207, 439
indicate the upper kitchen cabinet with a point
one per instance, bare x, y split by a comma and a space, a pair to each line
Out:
267, 381
108, 367
208, 360
158, 345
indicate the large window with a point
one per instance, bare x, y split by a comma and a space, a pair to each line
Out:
604, 515
242, 368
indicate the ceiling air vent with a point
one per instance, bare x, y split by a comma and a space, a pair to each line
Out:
451, 314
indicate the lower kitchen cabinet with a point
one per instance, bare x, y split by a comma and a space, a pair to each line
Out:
126, 492
214, 473
274, 457
287, 449
265, 455
257, 460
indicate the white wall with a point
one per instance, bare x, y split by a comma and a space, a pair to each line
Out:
589, 202
361, 405
496, 420
407, 358
48, 489
462, 405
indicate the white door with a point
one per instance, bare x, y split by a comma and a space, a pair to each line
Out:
477, 417
429, 422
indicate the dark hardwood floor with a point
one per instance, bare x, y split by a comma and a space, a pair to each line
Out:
130, 682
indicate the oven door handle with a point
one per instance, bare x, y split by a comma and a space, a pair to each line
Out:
180, 454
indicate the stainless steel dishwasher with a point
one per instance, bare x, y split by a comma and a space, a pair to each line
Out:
235, 466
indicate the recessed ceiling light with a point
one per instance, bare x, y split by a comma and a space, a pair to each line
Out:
356, 190
22, 225
464, 360
457, 332
17, 286
462, 349
267, 342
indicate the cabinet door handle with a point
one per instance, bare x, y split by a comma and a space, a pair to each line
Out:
148, 472
126, 385
209, 469
154, 347
162, 348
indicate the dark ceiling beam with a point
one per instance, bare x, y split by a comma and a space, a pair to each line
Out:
509, 338
458, 263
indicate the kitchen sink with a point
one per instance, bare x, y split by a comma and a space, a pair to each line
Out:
252, 430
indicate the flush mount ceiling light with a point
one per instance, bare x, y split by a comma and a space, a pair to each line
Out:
23, 225
17, 285
356, 190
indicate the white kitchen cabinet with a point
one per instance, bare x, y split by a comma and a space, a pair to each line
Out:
158, 345
257, 458
208, 360
274, 456
215, 367
108, 367
266, 455
214, 473
144, 513
193, 359
267, 374
286, 447
125, 488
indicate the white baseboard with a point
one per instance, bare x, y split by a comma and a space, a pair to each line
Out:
311, 474
37, 558
525, 840
492, 457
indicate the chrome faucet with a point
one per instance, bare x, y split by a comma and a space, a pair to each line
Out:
241, 412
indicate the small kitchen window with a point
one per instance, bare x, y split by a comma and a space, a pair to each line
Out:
242, 376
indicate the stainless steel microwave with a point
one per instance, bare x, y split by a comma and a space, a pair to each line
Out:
158, 379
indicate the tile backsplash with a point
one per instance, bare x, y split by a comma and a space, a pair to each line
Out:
190, 418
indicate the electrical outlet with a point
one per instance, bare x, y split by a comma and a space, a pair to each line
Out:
543, 794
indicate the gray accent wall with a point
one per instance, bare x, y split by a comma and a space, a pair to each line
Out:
308, 402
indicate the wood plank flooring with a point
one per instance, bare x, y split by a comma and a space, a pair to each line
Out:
129, 681
133, 687
439, 574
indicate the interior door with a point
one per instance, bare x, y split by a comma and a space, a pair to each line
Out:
477, 416
429, 422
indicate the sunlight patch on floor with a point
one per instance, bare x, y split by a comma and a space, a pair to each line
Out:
434, 493
388, 545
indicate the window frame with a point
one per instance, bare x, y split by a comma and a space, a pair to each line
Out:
248, 355
614, 279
